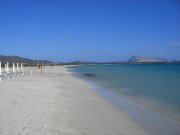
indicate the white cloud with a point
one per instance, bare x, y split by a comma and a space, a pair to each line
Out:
175, 44
153, 49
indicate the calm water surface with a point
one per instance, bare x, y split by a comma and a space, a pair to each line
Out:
155, 86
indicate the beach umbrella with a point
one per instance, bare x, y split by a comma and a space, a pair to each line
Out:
0, 72
22, 70
17, 69
14, 70
7, 70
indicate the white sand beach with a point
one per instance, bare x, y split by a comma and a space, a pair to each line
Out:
57, 103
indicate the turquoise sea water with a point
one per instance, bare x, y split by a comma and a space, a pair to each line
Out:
154, 86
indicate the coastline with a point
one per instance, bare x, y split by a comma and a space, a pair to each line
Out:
59, 103
152, 121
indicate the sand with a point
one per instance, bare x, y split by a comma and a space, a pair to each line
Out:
58, 103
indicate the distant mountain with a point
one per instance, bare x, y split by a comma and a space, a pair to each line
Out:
17, 59
80, 63
175, 61
133, 59
140, 59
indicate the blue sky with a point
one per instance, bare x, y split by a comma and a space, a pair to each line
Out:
90, 30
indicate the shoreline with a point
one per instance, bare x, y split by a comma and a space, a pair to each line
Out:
166, 111
149, 119
59, 103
